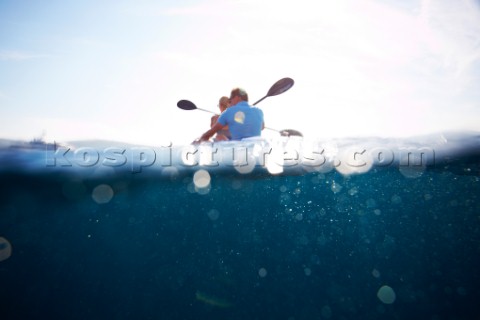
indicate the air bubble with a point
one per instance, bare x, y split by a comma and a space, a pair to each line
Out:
5, 249
262, 272
201, 179
102, 194
386, 295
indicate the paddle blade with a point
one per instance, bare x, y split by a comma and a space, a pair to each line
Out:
280, 86
186, 105
291, 132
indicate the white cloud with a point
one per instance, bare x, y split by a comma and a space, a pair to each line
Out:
14, 55
203, 9
453, 31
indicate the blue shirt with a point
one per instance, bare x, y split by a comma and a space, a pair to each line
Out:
243, 120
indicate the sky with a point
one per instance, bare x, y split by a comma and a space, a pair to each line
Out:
114, 70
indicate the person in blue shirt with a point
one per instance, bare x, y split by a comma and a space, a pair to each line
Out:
242, 119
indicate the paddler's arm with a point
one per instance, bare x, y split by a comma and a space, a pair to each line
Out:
213, 120
211, 132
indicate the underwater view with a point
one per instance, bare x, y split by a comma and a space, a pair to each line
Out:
87, 235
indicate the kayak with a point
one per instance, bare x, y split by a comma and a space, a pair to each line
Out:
275, 156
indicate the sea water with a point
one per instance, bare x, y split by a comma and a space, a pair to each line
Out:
115, 231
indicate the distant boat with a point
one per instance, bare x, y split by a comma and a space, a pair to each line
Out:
38, 144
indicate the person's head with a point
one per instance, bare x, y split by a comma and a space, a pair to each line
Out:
237, 95
223, 103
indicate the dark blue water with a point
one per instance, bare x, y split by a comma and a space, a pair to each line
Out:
255, 246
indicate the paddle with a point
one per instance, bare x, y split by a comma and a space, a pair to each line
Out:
278, 87
189, 105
